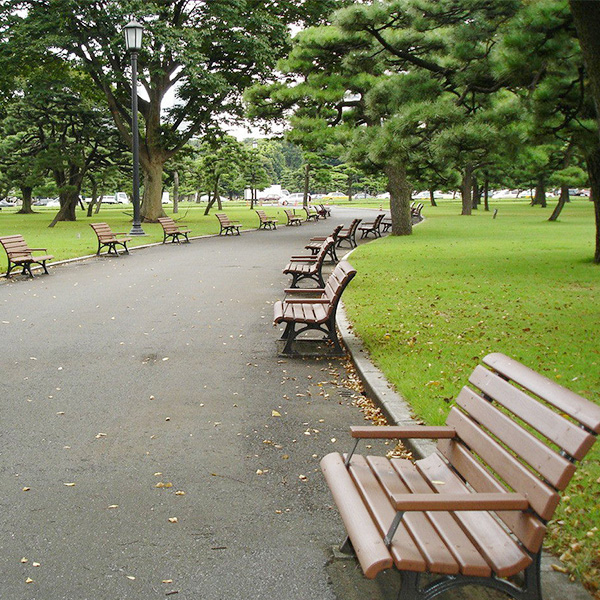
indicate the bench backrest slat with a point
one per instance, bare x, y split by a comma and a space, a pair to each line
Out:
336, 283
567, 435
168, 224
526, 526
542, 497
15, 245
223, 219
103, 231
565, 400
553, 467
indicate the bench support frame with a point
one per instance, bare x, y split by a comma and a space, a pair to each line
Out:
112, 247
290, 333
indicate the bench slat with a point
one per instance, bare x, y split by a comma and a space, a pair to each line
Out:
470, 560
571, 438
554, 468
434, 550
403, 548
366, 540
569, 402
529, 529
495, 544
542, 497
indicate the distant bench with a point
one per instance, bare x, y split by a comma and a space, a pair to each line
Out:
292, 218
474, 511
106, 237
309, 267
20, 255
266, 222
172, 230
315, 312
227, 225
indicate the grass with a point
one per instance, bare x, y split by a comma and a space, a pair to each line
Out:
429, 306
72, 239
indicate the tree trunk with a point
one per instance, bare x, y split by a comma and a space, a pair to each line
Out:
432, 198
26, 208
562, 200
475, 194
176, 192
466, 189
94, 196
540, 192
400, 197
306, 185
68, 206
593, 166
486, 195
151, 208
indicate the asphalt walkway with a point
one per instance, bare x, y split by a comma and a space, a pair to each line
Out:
152, 444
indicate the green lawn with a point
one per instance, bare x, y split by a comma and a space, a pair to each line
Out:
431, 305
72, 239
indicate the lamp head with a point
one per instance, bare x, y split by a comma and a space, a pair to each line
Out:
133, 36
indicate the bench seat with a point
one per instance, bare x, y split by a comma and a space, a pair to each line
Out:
20, 255
107, 238
172, 230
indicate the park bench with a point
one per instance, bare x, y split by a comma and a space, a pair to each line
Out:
316, 312
372, 227
309, 267
107, 238
20, 255
292, 217
324, 211
227, 225
475, 510
415, 212
266, 222
315, 243
348, 234
171, 230
311, 213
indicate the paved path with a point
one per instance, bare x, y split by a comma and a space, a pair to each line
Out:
127, 380
160, 367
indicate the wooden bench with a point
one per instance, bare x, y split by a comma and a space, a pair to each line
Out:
292, 217
227, 225
475, 510
372, 227
309, 267
266, 222
315, 243
386, 224
348, 234
107, 238
415, 212
311, 213
314, 313
20, 255
324, 211
171, 230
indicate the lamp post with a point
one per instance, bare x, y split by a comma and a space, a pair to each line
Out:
254, 195
133, 42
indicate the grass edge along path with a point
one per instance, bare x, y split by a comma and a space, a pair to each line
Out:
429, 306
72, 239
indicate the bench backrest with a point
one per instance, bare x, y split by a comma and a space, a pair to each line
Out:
336, 283
519, 431
103, 231
323, 250
378, 220
336, 232
262, 215
167, 224
289, 213
351, 228
15, 245
223, 219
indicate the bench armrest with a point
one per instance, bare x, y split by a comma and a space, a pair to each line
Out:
303, 258
37, 249
394, 432
458, 502
122, 233
305, 291
306, 301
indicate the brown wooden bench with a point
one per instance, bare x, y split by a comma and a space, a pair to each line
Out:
475, 510
266, 222
372, 227
315, 243
348, 234
324, 211
171, 230
415, 212
107, 238
314, 313
292, 217
311, 213
20, 255
309, 267
227, 225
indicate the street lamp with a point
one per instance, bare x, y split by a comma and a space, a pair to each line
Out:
254, 194
133, 42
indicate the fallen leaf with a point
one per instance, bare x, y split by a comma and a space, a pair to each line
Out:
100, 435
29, 580
36, 564
114, 506
24, 560
69, 484
173, 520
179, 493
130, 577
275, 413
167, 581
559, 568
26, 489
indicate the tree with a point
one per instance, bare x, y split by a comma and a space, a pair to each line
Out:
206, 53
